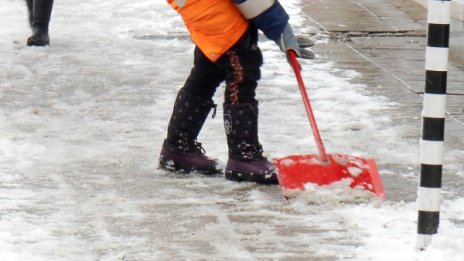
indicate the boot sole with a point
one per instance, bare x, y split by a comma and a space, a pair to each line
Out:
247, 177
176, 167
37, 44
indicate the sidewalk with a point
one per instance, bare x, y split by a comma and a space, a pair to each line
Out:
82, 122
385, 41
456, 29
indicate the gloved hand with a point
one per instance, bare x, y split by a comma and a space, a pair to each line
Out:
288, 41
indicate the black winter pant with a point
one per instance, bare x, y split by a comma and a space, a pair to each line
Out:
39, 12
239, 67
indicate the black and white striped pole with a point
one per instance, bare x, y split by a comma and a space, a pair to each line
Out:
433, 121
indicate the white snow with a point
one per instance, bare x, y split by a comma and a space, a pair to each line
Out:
82, 123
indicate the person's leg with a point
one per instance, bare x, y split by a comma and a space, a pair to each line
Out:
29, 11
204, 78
41, 13
246, 161
181, 151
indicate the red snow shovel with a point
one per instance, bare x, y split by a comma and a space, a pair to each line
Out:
295, 171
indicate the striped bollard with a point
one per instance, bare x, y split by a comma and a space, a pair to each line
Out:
433, 121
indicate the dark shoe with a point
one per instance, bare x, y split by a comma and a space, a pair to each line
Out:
246, 161
187, 159
39, 37
250, 165
181, 151
259, 171
39, 17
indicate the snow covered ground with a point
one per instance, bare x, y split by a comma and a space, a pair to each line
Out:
82, 122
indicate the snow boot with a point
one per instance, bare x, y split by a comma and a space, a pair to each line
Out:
181, 152
246, 161
39, 18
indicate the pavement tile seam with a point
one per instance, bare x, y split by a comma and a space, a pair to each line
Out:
370, 29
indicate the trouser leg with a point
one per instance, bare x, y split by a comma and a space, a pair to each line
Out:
42, 10
29, 11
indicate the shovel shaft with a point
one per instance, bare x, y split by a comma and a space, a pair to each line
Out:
317, 137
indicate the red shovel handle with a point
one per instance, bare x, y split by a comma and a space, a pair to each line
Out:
296, 68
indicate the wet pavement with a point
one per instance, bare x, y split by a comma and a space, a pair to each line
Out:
456, 30
91, 192
385, 41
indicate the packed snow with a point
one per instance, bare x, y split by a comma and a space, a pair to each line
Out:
82, 122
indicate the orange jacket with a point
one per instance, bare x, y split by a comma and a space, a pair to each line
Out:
214, 25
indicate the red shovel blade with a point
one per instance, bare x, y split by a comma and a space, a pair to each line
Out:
295, 171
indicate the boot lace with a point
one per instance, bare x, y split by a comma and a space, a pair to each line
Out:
199, 148
251, 151
191, 146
